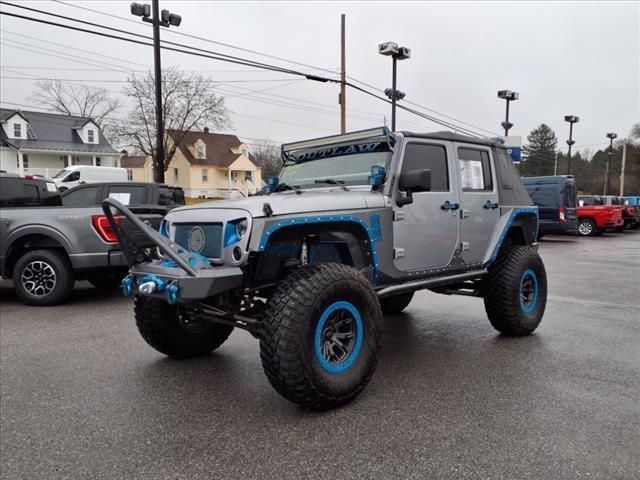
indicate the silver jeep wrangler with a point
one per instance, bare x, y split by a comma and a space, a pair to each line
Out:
349, 230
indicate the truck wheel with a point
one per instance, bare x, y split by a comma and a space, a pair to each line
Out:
43, 277
172, 331
395, 303
322, 335
587, 228
107, 279
516, 291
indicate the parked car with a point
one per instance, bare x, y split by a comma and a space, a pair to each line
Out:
632, 204
75, 175
44, 249
594, 217
628, 213
555, 197
353, 226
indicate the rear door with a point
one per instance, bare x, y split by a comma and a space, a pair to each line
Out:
426, 232
479, 210
569, 195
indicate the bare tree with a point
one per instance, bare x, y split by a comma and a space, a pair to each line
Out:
188, 102
635, 132
70, 99
266, 155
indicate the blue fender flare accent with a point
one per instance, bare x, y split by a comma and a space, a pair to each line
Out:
317, 341
515, 213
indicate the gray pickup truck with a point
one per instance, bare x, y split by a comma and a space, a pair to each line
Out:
354, 225
46, 243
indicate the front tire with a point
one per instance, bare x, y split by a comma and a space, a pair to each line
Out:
395, 303
43, 278
516, 291
322, 335
166, 328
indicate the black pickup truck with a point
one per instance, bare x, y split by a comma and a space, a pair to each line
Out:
48, 240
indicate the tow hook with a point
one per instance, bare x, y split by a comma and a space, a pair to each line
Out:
127, 285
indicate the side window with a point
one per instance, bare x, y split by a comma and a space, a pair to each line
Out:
73, 177
31, 195
434, 157
166, 196
476, 170
81, 196
129, 195
544, 196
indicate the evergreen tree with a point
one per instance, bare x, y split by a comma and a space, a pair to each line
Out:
540, 152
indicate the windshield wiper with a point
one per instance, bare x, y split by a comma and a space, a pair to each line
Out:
333, 181
285, 186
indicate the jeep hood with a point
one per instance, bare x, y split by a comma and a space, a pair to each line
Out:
288, 203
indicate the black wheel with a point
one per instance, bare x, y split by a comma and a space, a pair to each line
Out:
395, 303
174, 330
43, 277
587, 228
516, 291
322, 335
107, 279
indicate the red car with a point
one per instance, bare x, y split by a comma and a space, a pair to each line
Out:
594, 217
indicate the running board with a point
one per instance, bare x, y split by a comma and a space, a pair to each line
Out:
429, 283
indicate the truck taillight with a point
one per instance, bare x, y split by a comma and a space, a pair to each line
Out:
562, 217
630, 210
102, 226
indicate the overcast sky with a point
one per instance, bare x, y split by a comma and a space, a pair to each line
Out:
577, 58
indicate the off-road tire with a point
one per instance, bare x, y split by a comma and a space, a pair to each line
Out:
63, 278
504, 288
160, 326
107, 279
587, 228
395, 303
293, 323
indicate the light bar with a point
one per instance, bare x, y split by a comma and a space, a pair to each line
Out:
330, 140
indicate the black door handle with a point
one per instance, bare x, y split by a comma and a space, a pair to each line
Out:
450, 206
491, 205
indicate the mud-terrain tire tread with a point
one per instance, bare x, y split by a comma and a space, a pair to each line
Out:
287, 364
502, 287
65, 278
158, 324
395, 303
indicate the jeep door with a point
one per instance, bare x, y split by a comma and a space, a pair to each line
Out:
426, 231
479, 210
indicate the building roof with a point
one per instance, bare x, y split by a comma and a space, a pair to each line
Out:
133, 162
53, 131
218, 147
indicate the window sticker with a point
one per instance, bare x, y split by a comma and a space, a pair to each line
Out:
123, 197
472, 174
51, 187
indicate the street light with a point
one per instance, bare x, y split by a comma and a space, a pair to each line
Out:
571, 119
509, 96
611, 137
391, 49
152, 14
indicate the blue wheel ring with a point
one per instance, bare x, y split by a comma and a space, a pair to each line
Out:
528, 291
345, 364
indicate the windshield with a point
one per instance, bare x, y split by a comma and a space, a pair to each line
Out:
62, 173
340, 165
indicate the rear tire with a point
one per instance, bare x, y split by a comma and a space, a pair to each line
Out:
516, 291
395, 303
43, 278
322, 335
163, 327
587, 228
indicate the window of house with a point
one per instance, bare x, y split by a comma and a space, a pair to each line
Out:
98, 162
418, 156
25, 161
17, 130
248, 176
205, 175
476, 169
200, 151
130, 175
175, 174
90, 136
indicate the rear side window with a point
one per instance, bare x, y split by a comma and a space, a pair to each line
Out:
81, 196
31, 195
18, 192
418, 156
170, 196
570, 195
129, 195
543, 196
476, 170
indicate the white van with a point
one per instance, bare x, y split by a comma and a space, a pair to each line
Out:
80, 174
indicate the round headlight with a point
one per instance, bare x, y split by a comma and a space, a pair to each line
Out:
241, 227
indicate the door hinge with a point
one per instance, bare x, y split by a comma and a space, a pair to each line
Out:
464, 213
398, 253
398, 215
464, 246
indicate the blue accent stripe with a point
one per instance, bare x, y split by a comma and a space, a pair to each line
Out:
346, 364
334, 218
514, 215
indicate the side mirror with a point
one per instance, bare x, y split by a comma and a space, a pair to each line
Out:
413, 181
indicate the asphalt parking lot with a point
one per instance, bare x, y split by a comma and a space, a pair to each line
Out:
82, 396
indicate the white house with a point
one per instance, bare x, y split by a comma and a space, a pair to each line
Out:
44, 143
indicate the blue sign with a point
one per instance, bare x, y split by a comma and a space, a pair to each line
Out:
515, 153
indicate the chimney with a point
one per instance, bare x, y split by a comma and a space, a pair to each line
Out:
206, 129
124, 153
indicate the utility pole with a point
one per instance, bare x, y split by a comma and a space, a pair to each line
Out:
555, 166
343, 78
624, 161
164, 18
610, 136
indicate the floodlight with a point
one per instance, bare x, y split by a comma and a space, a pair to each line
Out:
612, 135
571, 118
508, 95
140, 10
388, 48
